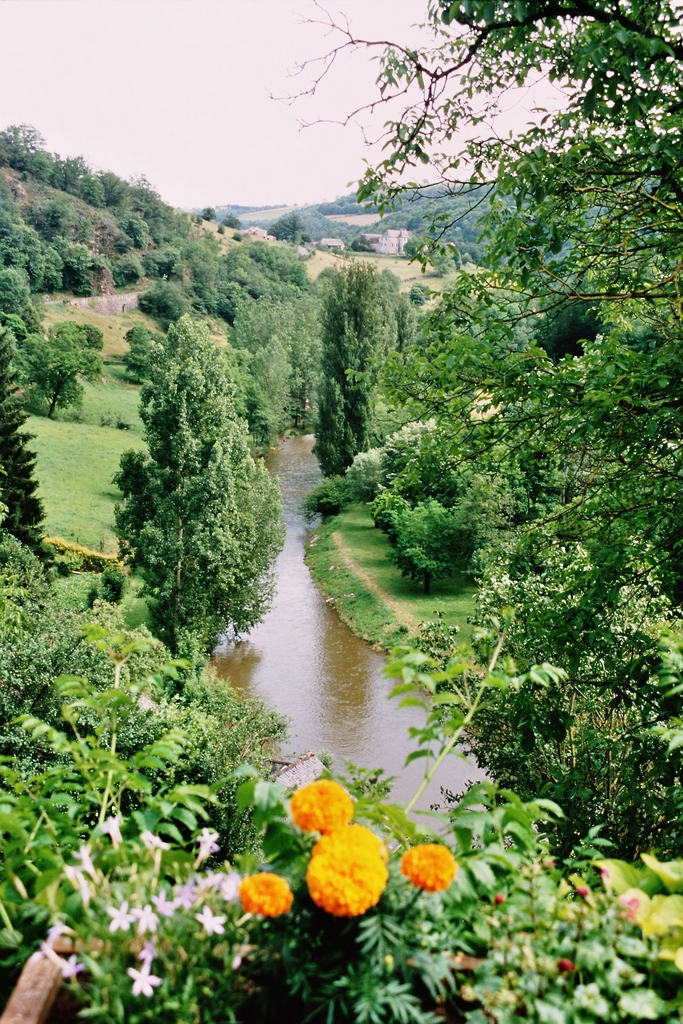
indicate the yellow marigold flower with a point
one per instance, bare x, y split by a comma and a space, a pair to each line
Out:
347, 873
322, 806
266, 894
430, 867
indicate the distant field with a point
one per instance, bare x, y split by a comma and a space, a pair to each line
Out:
113, 327
355, 219
76, 462
275, 214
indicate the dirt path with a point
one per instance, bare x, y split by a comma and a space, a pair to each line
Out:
403, 616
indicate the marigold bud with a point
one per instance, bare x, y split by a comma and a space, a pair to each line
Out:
322, 806
430, 867
499, 898
266, 894
582, 891
565, 965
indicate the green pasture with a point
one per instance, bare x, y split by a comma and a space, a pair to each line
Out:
77, 458
389, 620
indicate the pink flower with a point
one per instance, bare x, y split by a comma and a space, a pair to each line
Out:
213, 924
144, 983
207, 846
71, 968
166, 908
186, 896
120, 919
87, 865
153, 842
147, 953
112, 828
147, 919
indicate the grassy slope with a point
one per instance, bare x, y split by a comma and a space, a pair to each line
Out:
113, 327
389, 621
76, 462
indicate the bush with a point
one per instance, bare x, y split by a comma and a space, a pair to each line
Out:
112, 584
81, 558
329, 498
126, 270
378, 921
14, 290
165, 302
384, 509
364, 476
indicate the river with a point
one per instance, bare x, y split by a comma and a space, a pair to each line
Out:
305, 662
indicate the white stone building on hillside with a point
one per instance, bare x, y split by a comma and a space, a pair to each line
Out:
332, 243
391, 243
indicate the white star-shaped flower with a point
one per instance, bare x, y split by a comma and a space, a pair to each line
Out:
87, 865
120, 919
144, 983
212, 923
153, 842
207, 846
166, 908
230, 886
146, 918
112, 828
71, 967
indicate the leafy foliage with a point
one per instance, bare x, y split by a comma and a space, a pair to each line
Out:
200, 518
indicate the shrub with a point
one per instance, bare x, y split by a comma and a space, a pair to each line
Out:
112, 584
165, 302
364, 476
126, 270
79, 557
329, 498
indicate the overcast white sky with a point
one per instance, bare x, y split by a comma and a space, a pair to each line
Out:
179, 90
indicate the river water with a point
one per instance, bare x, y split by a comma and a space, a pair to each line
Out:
305, 662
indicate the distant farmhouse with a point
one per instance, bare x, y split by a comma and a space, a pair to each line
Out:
391, 243
332, 243
260, 233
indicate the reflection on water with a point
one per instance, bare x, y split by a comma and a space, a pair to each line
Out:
305, 662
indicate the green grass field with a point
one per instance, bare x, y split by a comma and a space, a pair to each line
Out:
77, 460
370, 593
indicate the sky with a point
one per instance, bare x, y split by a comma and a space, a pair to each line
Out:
180, 91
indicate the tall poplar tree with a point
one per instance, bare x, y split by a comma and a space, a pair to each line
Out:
17, 462
200, 518
352, 329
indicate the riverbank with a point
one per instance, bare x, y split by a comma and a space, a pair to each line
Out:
349, 562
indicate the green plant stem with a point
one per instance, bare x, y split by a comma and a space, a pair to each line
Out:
429, 775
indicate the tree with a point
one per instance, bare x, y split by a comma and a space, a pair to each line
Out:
136, 360
423, 542
18, 487
231, 221
290, 228
165, 302
581, 209
351, 334
200, 518
208, 213
14, 290
53, 367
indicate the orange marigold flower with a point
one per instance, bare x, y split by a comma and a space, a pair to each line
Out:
266, 894
335, 843
322, 806
347, 873
430, 867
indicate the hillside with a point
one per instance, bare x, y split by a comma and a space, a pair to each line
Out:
456, 219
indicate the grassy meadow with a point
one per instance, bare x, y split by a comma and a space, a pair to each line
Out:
349, 560
78, 454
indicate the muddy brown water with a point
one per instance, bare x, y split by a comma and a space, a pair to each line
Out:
305, 662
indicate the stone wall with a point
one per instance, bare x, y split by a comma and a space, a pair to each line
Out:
108, 305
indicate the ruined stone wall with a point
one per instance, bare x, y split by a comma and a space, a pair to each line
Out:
108, 305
